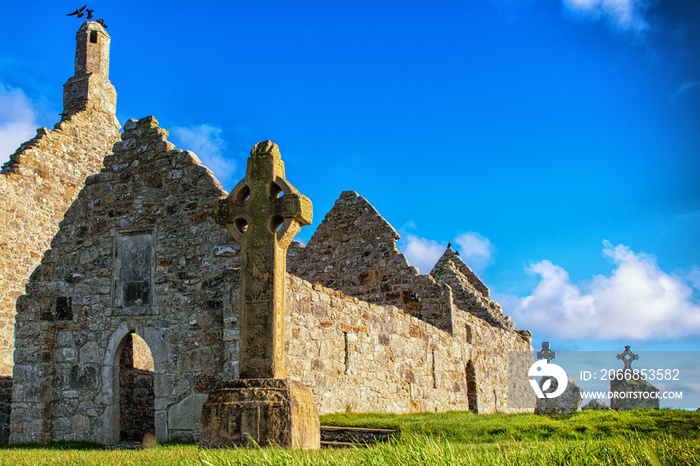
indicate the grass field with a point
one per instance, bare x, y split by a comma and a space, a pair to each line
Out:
634, 437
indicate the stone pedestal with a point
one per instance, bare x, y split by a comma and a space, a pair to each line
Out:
265, 411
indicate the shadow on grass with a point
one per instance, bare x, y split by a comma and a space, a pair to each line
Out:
72, 445
55, 446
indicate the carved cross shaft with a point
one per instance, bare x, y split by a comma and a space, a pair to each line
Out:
263, 213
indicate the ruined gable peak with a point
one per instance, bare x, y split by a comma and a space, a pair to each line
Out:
450, 263
351, 236
142, 141
353, 210
134, 128
145, 157
447, 257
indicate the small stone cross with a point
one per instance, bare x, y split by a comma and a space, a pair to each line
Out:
627, 357
546, 353
263, 213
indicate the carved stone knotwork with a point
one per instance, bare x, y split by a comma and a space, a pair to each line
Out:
627, 357
263, 213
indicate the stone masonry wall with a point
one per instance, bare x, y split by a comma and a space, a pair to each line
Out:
138, 251
370, 358
354, 250
37, 185
5, 400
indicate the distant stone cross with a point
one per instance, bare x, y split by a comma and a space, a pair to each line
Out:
627, 357
263, 213
546, 353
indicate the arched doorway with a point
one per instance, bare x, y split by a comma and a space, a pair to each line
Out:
472, 400
136, 390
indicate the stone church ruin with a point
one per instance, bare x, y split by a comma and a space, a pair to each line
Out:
131, 312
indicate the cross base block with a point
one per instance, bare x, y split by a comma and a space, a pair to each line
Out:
278, 412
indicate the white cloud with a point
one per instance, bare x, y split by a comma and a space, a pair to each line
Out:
408, 226
206, 142
421, 252
17, 120
476, 250
627, 15
637, 301
693, 277
683, 88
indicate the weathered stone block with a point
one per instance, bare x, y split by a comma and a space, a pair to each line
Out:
204, 383
83, 376
633, 394
186, 414
265, 411
597, 405
566, 403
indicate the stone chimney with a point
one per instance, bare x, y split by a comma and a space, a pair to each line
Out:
90, 87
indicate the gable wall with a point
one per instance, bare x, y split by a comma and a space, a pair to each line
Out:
37, 185
64, 380
354, 250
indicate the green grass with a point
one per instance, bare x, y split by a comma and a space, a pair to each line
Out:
489, 428
629, 438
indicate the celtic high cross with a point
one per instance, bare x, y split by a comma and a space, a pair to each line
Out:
627, 357
263, 213
546, 353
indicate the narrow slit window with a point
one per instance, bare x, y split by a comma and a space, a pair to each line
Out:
347, 352
435, 380
93, 37
64, 308
472, 398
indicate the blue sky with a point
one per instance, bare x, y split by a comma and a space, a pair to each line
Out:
555, 143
